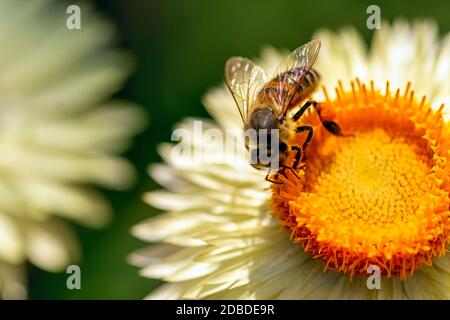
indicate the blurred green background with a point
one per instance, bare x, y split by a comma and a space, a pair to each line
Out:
180, 48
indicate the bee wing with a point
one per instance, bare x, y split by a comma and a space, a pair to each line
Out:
291, 72
244, 79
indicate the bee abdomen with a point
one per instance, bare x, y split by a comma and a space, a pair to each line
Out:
284, 86
310, 81
306, 87
312, 77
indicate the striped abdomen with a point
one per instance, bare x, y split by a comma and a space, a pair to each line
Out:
285, 86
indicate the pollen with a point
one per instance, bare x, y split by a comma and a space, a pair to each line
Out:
379, 195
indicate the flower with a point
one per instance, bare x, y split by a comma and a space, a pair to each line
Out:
379, 197
221, 237
58, 134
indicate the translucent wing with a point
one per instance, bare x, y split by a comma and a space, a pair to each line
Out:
291, 72
244, 79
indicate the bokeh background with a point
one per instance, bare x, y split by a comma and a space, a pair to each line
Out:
180, 48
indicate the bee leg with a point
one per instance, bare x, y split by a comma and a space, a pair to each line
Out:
273, 181
331, 126
308, 137
298, 156
291, 169
302, 110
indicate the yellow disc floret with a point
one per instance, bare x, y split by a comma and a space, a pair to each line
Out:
378, 195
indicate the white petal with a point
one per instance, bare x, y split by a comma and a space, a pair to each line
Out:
11, 241
50, 245
219, 240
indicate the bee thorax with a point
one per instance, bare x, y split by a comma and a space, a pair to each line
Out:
263, 118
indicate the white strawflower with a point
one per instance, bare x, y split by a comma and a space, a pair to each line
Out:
378, 197
59, 134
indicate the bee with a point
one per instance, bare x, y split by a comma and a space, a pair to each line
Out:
264, 104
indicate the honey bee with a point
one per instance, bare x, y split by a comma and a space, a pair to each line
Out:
264, 104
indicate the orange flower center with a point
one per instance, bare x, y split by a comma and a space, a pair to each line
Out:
378, 196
